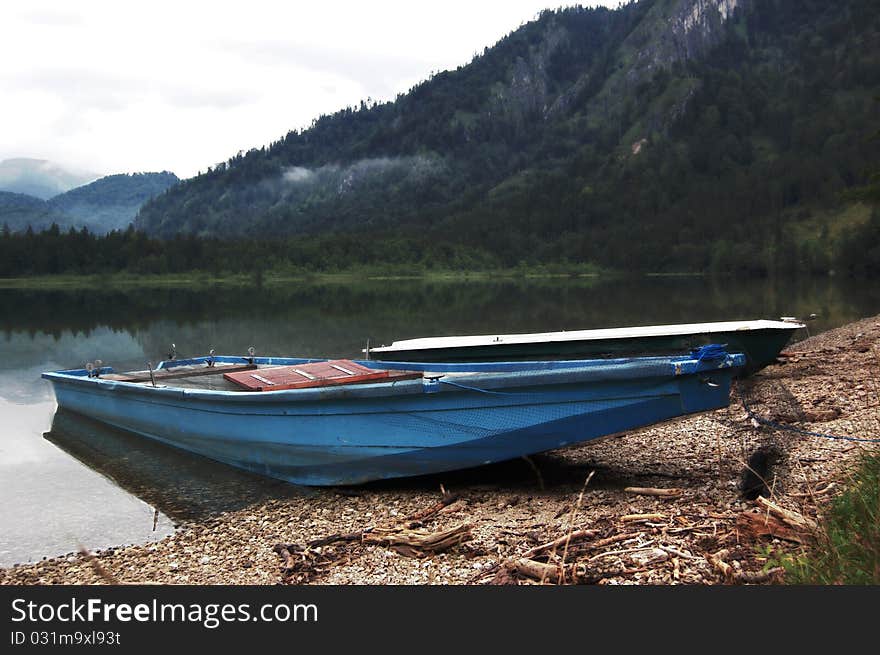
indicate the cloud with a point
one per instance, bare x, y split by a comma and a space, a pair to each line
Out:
297, 175
54, 16
379, 72
117, 86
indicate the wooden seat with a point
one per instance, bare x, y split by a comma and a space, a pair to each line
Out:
317, 374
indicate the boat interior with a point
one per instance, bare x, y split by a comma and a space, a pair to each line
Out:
210, 373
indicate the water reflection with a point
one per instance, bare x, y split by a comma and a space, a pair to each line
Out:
179, 484
51, 504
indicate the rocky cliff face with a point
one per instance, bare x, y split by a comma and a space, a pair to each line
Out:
526, 96
687, 31
671, 31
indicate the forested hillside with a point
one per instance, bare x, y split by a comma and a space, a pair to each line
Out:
666, 135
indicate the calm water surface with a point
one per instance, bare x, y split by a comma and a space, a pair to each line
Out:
67, 482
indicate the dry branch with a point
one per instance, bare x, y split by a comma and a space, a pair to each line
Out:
420, 516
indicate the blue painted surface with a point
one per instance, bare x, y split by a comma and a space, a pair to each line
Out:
458, 416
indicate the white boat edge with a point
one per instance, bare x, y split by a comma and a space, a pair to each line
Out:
426, 343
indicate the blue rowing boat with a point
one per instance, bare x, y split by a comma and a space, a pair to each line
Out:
421, 418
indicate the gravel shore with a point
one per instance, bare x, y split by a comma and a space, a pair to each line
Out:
499, 516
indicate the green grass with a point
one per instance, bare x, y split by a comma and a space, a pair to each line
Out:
282, 277
847, 550
837, 221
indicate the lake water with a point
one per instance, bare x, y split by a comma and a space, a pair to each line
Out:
67, 482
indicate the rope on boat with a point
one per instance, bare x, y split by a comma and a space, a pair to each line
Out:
464, 386
710, 352
791, 428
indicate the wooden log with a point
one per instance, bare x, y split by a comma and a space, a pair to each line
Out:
795, 520
654, 491
760, 524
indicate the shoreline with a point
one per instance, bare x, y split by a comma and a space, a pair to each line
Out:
509, 510
278, 278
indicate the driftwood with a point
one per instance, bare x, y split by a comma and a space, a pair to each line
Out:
795, 520
284, 553
809, 494
760, 524
629, 518
537, 570
718, 563
335, 538
418, 543
577, 535
648, 546
731, 575
654, 491
302, 563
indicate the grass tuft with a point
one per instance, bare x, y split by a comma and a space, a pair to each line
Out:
847, 548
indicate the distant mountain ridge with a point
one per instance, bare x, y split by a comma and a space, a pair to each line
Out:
109, 203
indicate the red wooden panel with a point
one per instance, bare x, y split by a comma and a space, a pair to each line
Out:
317, 374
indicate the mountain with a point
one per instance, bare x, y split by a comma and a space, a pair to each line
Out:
18, 210
112, 202
39, 178
666, 135
107, 204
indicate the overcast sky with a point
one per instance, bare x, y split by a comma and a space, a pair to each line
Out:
114, 86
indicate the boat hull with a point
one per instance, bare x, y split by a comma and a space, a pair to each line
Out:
339, 436
761, 346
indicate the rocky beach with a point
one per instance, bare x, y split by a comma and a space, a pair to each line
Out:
698, 500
